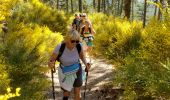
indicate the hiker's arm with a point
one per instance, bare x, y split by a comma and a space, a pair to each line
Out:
52, 60
80, 30
92, 29
74, 26
82, 57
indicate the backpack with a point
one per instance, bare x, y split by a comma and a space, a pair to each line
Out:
78, 46
77, 23
82, 32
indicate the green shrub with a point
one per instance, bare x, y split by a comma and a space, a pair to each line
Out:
141, 55
26, 51
4, 83
146, 70
35, 12
115, 38
9, 95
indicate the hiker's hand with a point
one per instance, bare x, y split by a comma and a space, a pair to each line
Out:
51, 64
87, 67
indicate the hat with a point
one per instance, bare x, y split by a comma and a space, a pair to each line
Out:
83, 15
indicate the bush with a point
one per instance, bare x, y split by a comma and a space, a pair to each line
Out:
35, 12
141, 55
26, 50
4, 83
115, 38
34, 29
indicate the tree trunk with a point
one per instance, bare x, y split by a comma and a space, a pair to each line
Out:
107, 6
112, 11
144, 17
118, 7
57, 4
80, 6
67, 6
72, 6
159, 13
104, 6
121, 7
127, 8
155, 8
94, 4
132, 9
98, 6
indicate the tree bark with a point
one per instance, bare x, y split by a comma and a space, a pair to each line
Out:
104, 6
159, 13
98, 6
132, 9
57, 4
118, 7
112, 4
107, 6
67, 6
80, 6
121, 7
144, 17
155, 8
72, 6
127, 8
94, 4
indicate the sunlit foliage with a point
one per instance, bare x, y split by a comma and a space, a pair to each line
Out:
33, 30
141, 55
9, 95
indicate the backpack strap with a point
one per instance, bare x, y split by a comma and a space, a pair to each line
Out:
89, 29
82, 31
78, 46
61, 51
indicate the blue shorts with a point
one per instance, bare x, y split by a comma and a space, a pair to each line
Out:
88, 41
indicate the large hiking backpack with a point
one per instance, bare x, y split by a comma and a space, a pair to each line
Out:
77, 23
61, 50
82, 32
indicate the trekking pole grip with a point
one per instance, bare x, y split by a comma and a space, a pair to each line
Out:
53, 70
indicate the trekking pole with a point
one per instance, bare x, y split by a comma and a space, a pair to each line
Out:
87, 73
52, 76
85, 85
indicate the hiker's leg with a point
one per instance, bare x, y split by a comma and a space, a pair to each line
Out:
77, 93
77, 84
65, 95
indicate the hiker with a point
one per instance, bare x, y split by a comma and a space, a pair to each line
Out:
70, 73
87, 33
76, 22
83, 18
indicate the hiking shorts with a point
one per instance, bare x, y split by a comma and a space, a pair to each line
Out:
79, 81
88, 41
